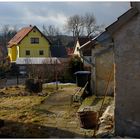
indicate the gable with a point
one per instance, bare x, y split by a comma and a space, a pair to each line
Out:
21, 34
34, 35
76, 51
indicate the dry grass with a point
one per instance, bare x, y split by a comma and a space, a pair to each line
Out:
21, 113
95, 102
14, 107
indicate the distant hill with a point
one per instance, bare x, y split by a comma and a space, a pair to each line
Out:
60, 44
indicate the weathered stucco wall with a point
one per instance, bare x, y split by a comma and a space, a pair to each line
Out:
127, 79
100, 74
104, 66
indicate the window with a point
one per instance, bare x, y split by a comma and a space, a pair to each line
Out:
77, 48
41, 52
27, 52
34, 40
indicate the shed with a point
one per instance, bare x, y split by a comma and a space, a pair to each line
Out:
102, 57
126, 35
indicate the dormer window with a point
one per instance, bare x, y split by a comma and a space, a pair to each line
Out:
34, 40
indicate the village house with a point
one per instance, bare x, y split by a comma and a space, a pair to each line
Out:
101, 63
29, 46
28, 42
126, 38
85, 52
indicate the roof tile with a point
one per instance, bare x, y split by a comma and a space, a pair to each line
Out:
19, 36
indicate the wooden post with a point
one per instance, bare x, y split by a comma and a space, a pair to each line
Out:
17, 78
17, 73
56, 78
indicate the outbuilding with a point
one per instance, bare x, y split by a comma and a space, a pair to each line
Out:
126, 37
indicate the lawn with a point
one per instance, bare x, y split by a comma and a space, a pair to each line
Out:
51, 115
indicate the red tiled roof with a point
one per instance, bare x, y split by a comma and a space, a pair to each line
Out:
19, 36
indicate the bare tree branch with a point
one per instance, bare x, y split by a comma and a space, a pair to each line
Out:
83, 25
51, 30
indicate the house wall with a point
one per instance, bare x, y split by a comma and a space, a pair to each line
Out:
12, 52
104, 66
101, 71
25, 44
127, 79
34, 48
76, 52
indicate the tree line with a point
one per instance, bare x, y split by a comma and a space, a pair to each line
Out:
75, 25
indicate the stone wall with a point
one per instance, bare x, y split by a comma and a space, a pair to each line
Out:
127, 79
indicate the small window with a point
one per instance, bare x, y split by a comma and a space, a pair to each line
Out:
77, 48
34, 40
27, 52
41, 52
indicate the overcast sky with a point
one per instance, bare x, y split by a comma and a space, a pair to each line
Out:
56, 13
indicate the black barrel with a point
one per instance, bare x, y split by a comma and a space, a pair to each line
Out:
82, 77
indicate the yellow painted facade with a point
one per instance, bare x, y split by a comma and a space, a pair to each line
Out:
20, 49
12, 52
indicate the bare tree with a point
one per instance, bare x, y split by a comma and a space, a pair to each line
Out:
7, 33
83, 25
75, 25
91, 28
51, 30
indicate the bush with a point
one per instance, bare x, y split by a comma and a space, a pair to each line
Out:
75, 64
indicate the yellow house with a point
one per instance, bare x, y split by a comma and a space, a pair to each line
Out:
29, 42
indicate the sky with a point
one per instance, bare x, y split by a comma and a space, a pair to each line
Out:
22, 14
